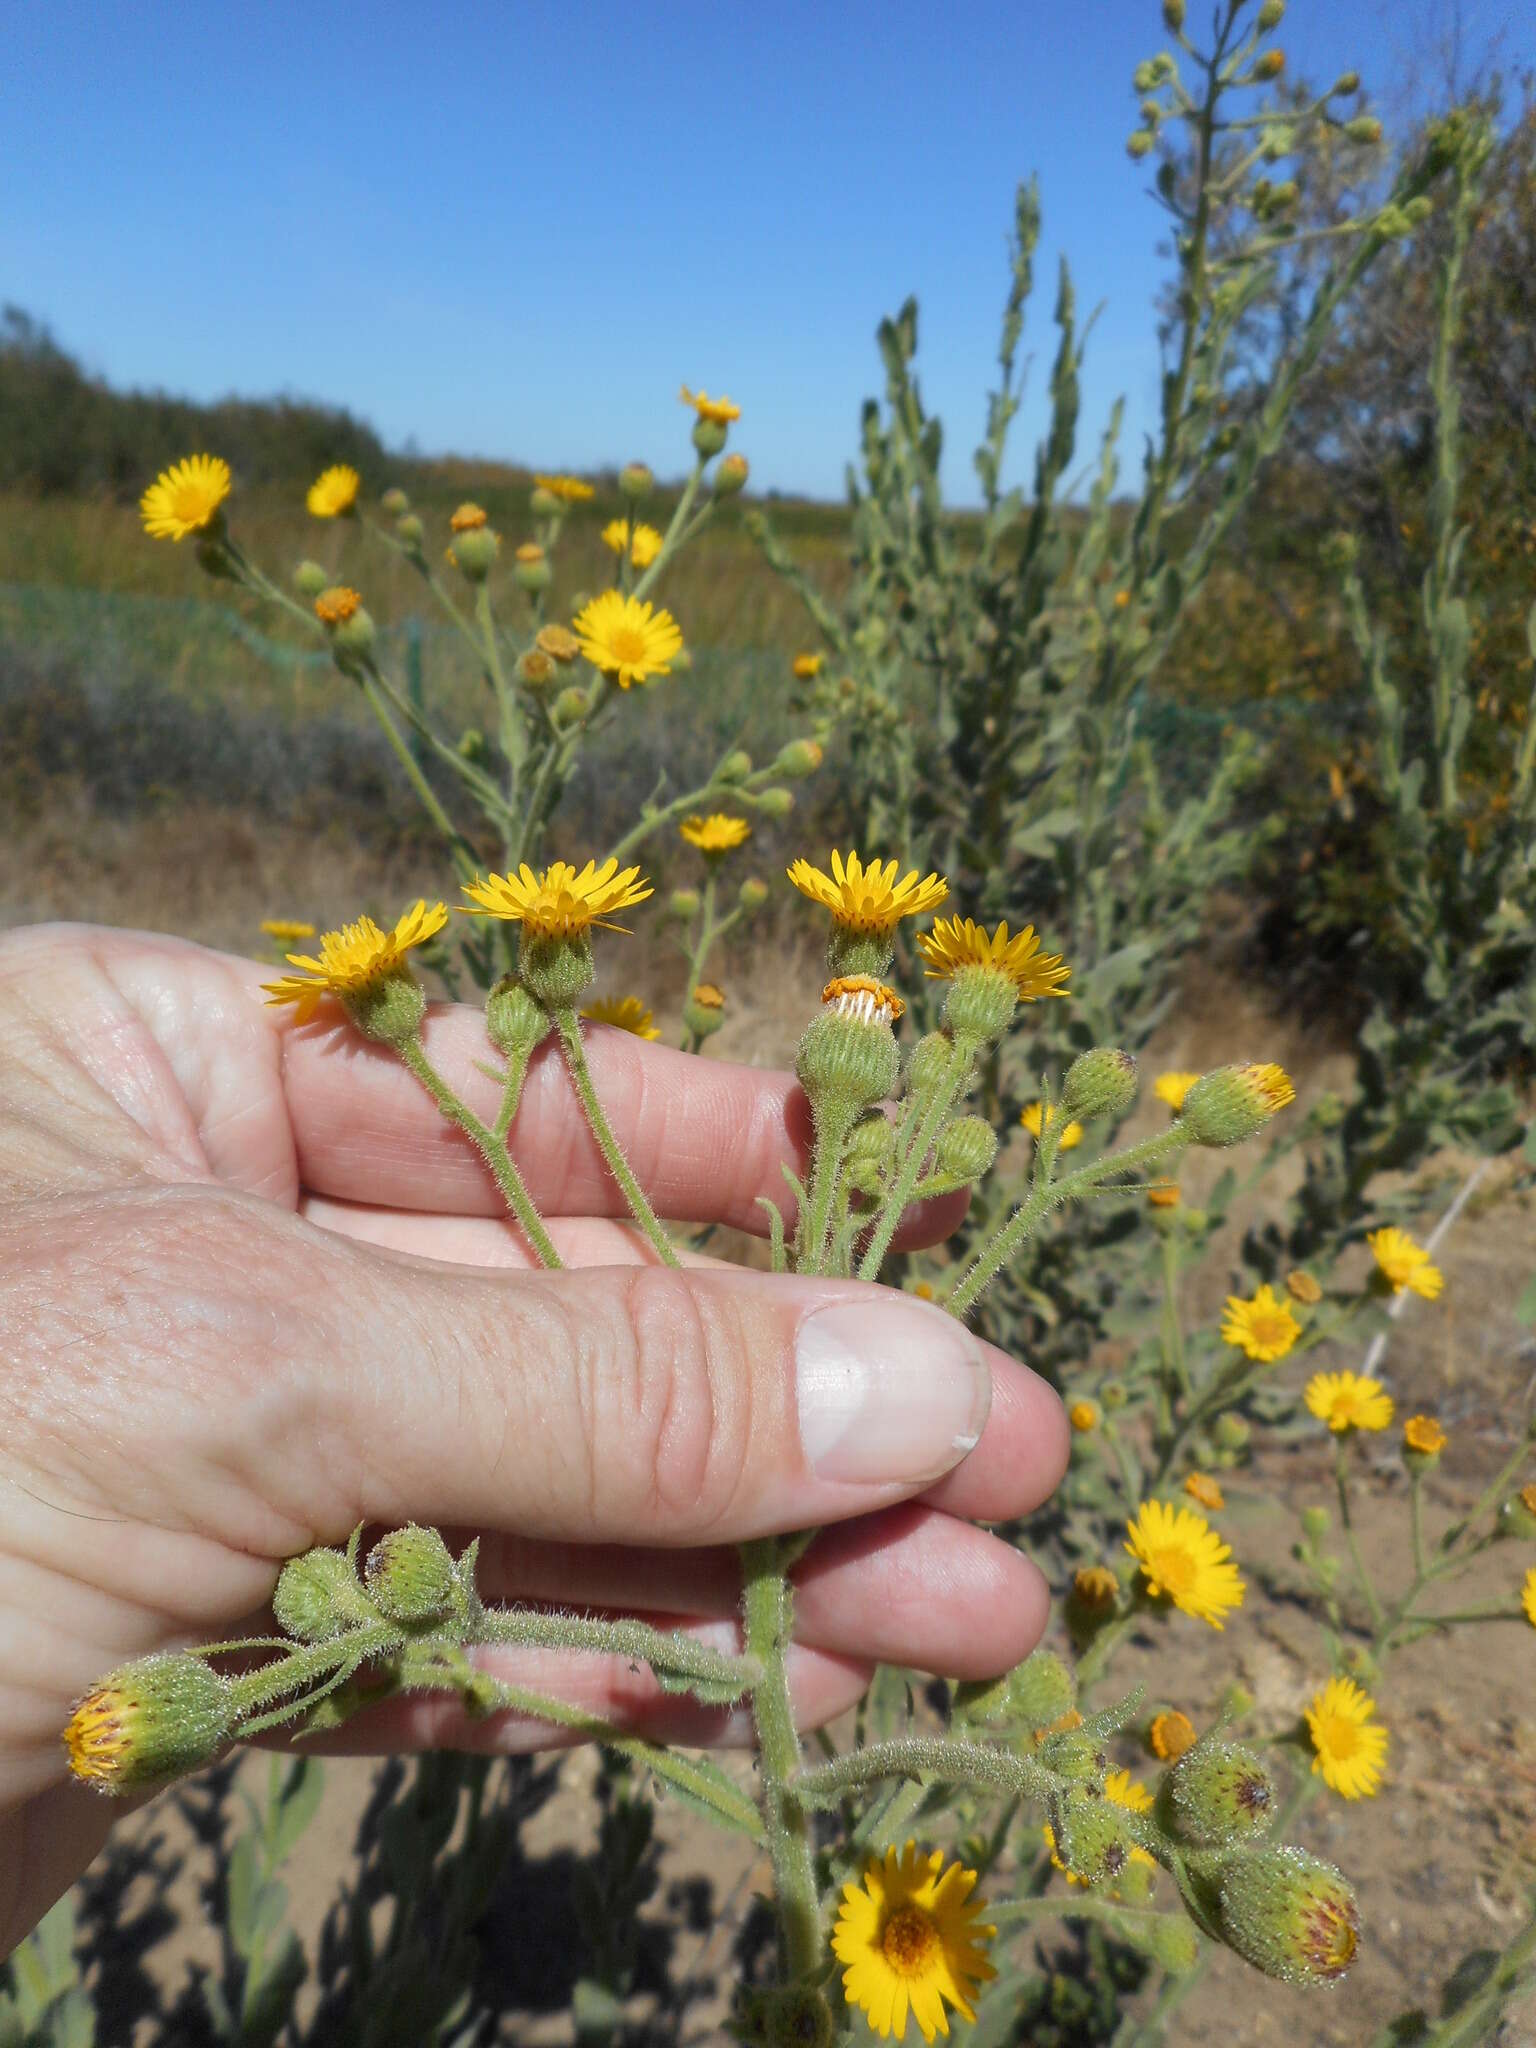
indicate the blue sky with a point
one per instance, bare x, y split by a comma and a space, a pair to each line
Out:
512, 229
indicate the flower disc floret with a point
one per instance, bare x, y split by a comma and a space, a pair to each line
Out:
185, 498
1171, 1735
562, 902
909, 1938
468, 518
625, 1013
1350, 1750
865, 897
353, 961
335, 606
1404, 1264
1264, 1329
719, 411
1347, 1400
334, 492
864, 997
956, 943
1182, 1557
628, 638
718, 833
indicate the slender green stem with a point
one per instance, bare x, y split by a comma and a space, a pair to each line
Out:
663, 1650
950, 1762
1341, 1482
1416, 1520
674, 529
491, 1148
767, 1609
929, 1116
569, 1027
833, 1124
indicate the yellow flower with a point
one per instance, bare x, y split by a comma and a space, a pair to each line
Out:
1264, 1328
1172, 1088
1083, 1416
469, 518
355, 959
1035, 1119
1300, 1286
558, 641
334, 491
717, 833
1163, 1194
1350, 1753
1269, 1086
1528, 1596
866, 897
1171, 1736
97, 1736
560, 903
335, 606
643, 549
528, 551
287, 928
1423, 1434
628, 638
807, 666
707, 996
185, 498
625, 1013
720, 410
1404, 1264
1205, 1490
957, 942
1346, 1401
1181, 1556
863, 995
569, 488
909, 1937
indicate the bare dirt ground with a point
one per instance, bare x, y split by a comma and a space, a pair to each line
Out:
1444, 1859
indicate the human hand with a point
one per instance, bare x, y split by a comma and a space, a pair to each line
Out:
255, 1291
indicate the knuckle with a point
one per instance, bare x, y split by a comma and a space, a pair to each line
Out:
687, 1401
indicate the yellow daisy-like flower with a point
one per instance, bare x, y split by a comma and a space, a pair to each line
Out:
185, 498
469, 518
862, 995
806, 667
1404, 1264
866, 896
909, 1939
570, 489
287, 929
1171, 1735
1164, 1194
720, 410
625, 1013
1199, 1486
643, 549
335, 606
717, 833
1083, 1416
1423, 1434
334, 491
559, 642
628, 638
1172, 1089
1345, 1400
1350, 1752
355, 959
1036, 1119
1181, 1556
959, 942
707, 995
1264, 1328
1528, 1596
562, 902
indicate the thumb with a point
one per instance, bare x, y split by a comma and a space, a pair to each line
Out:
636, 1403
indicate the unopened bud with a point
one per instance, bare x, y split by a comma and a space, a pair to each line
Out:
848, 1056
1093, 1840
1173, 15
309, 579
148, 1723
544, 504
731, 476
683, 903
1233, 1103
571, 706
703, 1012
1270, 65
1271, 14
1099, 1083
1114, 1394
318, 1596
709, 436
1315, 1523
1140, 144
1289, 1914
409, 529
1346, 82
474, 553
776, 802
753, 894
394, 501
1364, 128
736, 767
530, 568
636, 481
799, 759
535, 669
1217, 1795
966, 1148
410, 1576
1232, 1432
515, 1020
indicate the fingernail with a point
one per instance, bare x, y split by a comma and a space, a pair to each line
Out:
888, 1390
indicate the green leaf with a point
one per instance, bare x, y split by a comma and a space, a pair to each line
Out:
704, 1788
1525, 1307
242, 1895
299, 1803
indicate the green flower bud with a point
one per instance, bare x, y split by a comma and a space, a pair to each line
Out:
309, 579
544, 504
1364, 128
1270, 65
1271, 14
1098, 1083
776, 802
736, 767
966, 1148
703, 1011
930, 1062
556, 970
411, 1578
472, 744
1041, 1689
536, 670
752, 894
394, 502
872, 1144
474, 553
980, 1003
389, 1010
731, 476
318, 1597
1232, 1432
150, 1722
531, 570
848, 1056
709, 436
1114, 1394
1092, 1839
1140, 144
799, 759
636, 481
683, 903
514, 1021
1315, 1524
1517, 1517
410, 530
1289, 1914
1171, 1942
1216, 1795
1233, 1103
1173, 15
1078, 1759
1347, 81
571, 706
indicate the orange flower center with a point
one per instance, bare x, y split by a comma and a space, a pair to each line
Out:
1268, 1326
909, 1941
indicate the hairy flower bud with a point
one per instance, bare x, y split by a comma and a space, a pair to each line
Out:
1140, 144
1092, 1839
536, 670
409, 529
474, 553
571, 706
703, 1011
1289, 1914
544, 504
410, 1576
752, 894
1173, 15
683, 904
731, 476
1271, 14
1270, 65
515, 1021
1099, 1083
394, 502
966, 1148
776, 802
799, 759
1216, 1795
1233, 1103
309, 579
736, 767
318, 1596
636, 481
709, 436
848, 1056
1364, 128
150, 1722
530, 568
